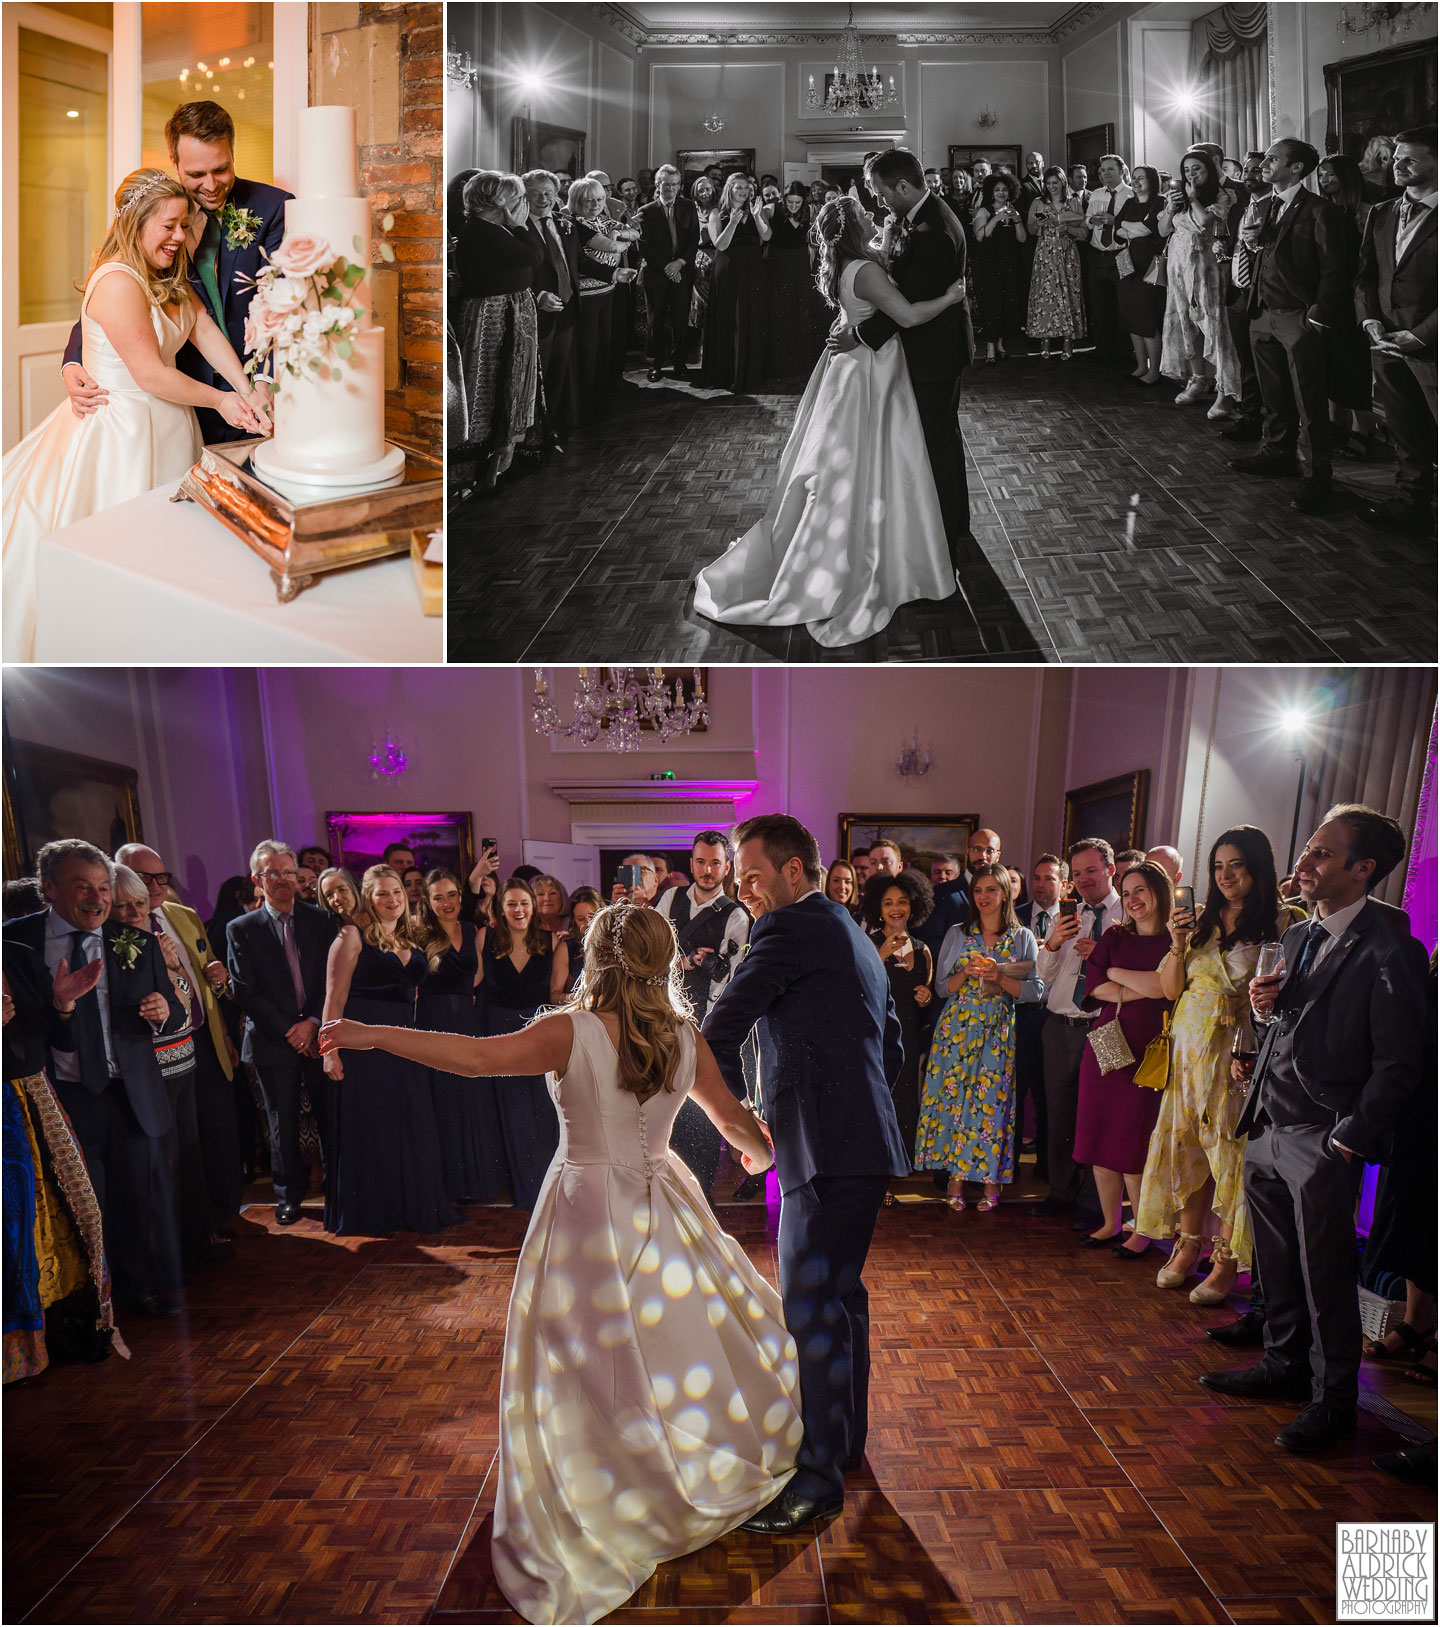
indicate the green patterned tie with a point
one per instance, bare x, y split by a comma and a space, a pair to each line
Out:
207, 256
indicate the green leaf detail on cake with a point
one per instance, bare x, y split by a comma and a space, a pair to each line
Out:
335, 375
354, 276
344, 349
359, 246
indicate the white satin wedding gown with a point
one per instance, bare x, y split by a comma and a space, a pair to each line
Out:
68, 468
649, 1395
854, 529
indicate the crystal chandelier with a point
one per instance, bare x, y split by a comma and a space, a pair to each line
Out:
854, 89
612, 703
912, 763
387, 758
460, 68
713, 123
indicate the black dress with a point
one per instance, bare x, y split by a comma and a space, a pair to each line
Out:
385, 1171
798, 322
1142, 304
529, 1124
1000, 286
737, 319
906, 1088
471, 1151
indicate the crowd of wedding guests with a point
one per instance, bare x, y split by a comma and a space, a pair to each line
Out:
1089, 1008
1294, 294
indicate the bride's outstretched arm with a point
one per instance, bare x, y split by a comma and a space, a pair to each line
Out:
732, 1119
543, 1047
216, 348
872, 284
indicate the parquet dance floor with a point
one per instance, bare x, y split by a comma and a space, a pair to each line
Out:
1108, 527
315, 1441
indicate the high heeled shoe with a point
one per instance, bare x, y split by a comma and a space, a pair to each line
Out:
1167, 1277
1224, 1262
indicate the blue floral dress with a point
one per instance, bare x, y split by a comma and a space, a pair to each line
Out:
967, 1104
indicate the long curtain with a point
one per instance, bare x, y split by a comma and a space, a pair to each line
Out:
1375, 751
1230, 69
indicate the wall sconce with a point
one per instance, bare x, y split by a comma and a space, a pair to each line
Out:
912, 763
986, 118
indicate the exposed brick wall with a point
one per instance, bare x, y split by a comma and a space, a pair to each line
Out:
407, 179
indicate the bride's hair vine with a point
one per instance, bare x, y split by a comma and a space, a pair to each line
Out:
613, 949
153, 180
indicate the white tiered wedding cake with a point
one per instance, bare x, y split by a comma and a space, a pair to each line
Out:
329, 407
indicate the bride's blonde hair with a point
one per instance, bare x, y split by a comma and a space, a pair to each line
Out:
842, 232
137, 197
632, 967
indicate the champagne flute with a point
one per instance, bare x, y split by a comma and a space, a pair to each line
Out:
1271, 960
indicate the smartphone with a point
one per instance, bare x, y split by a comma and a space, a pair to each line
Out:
629, 875
488, 844
1069, 909
1185, 899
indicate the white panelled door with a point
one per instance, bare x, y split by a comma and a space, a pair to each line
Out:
573, 864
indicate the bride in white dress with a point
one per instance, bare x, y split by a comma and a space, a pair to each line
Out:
137, 311
648, 1398
854, 528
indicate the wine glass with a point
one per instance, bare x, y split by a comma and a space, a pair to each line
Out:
1271, 960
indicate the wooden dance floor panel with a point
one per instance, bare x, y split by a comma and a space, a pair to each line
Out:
1108, 527
316, 1441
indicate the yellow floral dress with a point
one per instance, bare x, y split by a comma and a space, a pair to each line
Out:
1194, 1137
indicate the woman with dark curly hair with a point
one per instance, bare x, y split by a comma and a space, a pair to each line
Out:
999, 303
893, 907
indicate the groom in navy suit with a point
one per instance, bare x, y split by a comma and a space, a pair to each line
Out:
233, 221
829, 1050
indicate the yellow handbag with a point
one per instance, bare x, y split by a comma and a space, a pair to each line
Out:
1154, 1070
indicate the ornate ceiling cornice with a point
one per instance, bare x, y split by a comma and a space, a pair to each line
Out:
1078, 17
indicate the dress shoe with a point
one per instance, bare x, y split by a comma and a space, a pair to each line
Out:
1051, 1206
791, 1512
1245, 1333
1266, 463
286, 1214
1098, 1242
654, 376
1317, 1427
1400, 518
156, 1305
1314, 495
1260, 1383
1122, 1253
1243, 429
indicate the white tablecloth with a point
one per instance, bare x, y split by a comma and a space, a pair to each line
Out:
155, 580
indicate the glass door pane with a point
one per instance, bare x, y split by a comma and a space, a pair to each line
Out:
63, 203
210, 53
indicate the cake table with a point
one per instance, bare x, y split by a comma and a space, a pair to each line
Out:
156, 581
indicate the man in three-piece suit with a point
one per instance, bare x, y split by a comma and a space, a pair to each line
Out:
669, 242
1395, 302
1298, 269
1337, 1066
277, 957
104, 1069
929, 254
557, 290
813, 987
233, 221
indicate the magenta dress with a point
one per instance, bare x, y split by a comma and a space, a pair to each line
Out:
1115, 1116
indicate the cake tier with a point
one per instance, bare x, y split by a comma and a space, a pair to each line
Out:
339, 221
326, 426
327, 159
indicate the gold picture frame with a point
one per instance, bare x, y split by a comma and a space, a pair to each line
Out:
50, 794
1114, 809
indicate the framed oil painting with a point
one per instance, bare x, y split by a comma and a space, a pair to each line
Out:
692, 162
922, 837
998, 157
537, 145
51, 794
1378, 94
1114, 809
1088, 147
438, 840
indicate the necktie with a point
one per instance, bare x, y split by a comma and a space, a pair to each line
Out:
1097, 920
1043, 929
292, 958
86, 1030
1314, 938
557, 259
1407, 214
207, 256
670, 221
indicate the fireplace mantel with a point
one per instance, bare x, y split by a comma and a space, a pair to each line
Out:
848, 146
611, 813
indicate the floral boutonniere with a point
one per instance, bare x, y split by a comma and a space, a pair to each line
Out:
240, 226
127, 947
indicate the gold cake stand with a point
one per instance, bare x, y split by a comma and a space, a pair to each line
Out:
300, 540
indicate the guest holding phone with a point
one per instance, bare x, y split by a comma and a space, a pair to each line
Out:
968, 1101
1196, 341
999, 308
737, 321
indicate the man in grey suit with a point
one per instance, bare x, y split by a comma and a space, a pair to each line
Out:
1338, 1063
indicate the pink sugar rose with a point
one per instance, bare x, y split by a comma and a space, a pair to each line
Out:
269, 323
303, 254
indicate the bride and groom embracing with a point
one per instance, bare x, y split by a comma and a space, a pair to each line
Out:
655, 1392
871, 498
154, 367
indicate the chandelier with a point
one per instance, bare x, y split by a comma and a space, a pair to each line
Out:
713, 123
1365, 19
912, 763
854, 89
460, 68
387, 758
612, 703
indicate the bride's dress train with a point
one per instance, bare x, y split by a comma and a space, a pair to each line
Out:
648, 1399
854, 528
69, 468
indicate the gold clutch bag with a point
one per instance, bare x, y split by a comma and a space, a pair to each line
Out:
1109, 1044
1154, 1070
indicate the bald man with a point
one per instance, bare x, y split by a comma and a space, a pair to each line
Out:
984, 849
215, 1059
1169, 860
